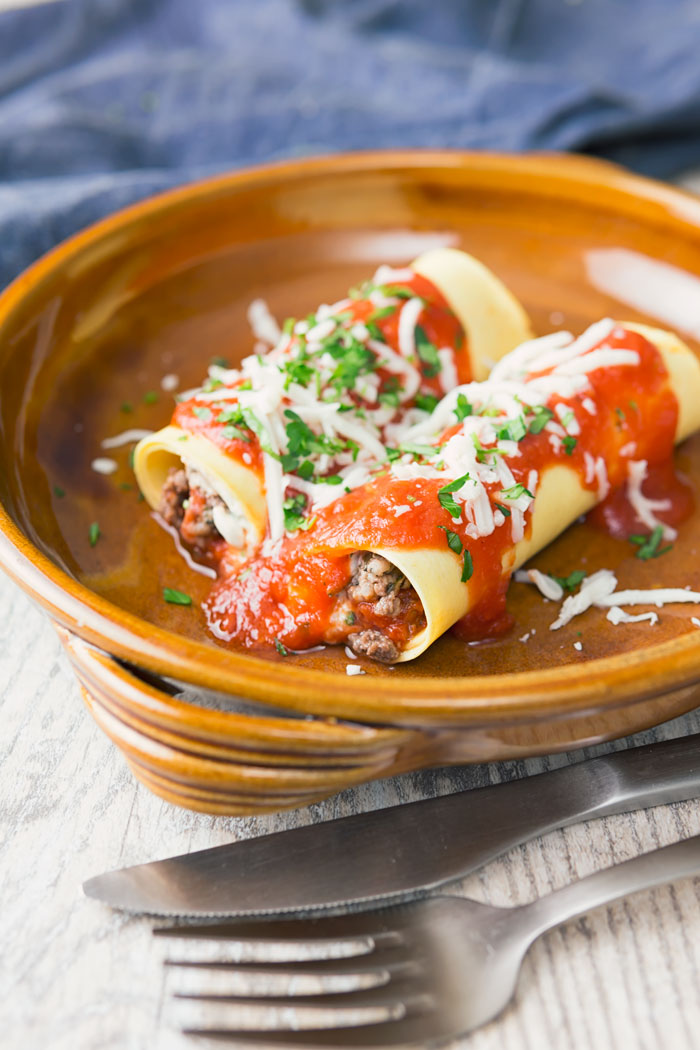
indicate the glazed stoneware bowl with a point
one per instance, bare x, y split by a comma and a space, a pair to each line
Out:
86, 336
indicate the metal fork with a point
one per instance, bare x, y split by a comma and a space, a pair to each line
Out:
417, 974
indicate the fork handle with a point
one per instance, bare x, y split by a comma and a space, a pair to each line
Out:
640, 873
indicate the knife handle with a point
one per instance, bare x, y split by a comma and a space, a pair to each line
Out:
640, 777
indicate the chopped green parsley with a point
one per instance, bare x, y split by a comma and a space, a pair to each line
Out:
302, 441
211, 384
467, 568
569, 583
174, 597
294, 512
447, 500
380, 314
542, 416
463, 408
453, 540
428, 354
482, 453
203, 413
648, 546
420, 450
390, 392
513, 430
395, 291
427, 402
516, 491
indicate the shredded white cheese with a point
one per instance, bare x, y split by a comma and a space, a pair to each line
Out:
408, 319
547, 587
601, 473
616, 615
603, 358
658, 596
102, 465
392, 275
448, 369
127, 437
263, 324
353, 669
592, 590
643, 507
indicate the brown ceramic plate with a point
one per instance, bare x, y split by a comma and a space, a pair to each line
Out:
163, 287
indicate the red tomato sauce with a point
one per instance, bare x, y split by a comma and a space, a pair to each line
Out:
292, 596
616, 515
207, 425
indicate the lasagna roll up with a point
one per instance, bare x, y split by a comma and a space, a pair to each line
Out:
332, 395
497, 472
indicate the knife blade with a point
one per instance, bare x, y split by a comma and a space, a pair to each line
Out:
400, 851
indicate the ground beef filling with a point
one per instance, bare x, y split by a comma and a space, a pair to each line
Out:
173, 498
383, 604
188, 508
376, 614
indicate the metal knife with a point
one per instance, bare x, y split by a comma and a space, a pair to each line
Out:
403, 850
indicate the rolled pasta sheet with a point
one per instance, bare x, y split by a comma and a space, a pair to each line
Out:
494, 320
563, 491
501, 469
240, 507
246, 453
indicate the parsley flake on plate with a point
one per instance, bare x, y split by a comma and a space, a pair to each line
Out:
648, 546
174, 597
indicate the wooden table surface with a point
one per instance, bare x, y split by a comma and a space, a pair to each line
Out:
76, 976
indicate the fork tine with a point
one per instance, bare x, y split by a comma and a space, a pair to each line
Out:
390, 1000
292, 979
277, 943
278, 1017
389, 962
269, 952
382, 1034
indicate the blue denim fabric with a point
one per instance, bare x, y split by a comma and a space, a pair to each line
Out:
105, 101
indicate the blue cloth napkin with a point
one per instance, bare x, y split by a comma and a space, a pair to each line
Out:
105, 101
